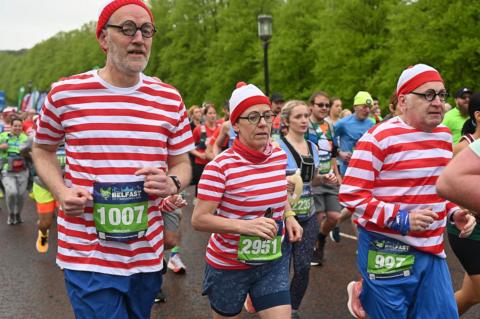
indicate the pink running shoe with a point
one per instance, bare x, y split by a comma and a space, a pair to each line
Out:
354, 305
249, 305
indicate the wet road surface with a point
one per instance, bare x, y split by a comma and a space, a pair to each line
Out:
32, 285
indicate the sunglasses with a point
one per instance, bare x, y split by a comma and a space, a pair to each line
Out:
325, 105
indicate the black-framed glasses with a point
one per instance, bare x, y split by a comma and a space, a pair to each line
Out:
254, 117
129, 28
325, 105
430, 95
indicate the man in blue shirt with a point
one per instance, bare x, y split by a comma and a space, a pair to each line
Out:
351, 128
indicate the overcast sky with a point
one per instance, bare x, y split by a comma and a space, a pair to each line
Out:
24, 23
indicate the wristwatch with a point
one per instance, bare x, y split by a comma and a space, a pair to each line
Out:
176, 181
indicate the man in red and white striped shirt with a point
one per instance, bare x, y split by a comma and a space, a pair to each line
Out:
390, 186
124, 131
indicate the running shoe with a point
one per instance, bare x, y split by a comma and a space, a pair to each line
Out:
249, 305
318, 254
335, 235
354, 305
17, 219
176, 264
160, 297
317, 258
10, 219
42, 242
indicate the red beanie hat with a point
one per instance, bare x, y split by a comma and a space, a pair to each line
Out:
414, 76
243, 97
110, 7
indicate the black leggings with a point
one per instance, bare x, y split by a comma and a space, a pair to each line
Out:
302, 252
197, 170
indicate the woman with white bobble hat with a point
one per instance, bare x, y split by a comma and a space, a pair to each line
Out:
242, 201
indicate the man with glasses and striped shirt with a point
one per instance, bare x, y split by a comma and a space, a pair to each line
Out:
390, 187
127, 139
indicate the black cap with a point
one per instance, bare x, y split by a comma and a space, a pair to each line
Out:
462, 91
277, 97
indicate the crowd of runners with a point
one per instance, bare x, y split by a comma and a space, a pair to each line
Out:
112, 150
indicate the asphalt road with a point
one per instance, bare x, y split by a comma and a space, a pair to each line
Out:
32, 286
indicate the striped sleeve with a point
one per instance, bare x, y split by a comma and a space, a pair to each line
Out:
356, 191
49, 129
212, 183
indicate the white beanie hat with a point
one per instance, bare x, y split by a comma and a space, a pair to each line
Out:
414, 76
243, 97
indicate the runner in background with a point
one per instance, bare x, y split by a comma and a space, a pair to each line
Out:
195, 116
335, 110
321, 133
277, 102
15, 150
46, 204
349, 129
201, 137
469, 293
302, 157
242, 201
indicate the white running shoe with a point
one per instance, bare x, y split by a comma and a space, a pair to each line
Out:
249, 305
176, 264
354, 288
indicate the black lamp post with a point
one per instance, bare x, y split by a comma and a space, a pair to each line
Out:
265, 34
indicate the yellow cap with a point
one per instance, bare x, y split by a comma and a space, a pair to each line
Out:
362, 98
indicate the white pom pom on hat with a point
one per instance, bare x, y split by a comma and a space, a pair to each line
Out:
244, 96
414, 76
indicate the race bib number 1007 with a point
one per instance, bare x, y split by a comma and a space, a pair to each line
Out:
120, 210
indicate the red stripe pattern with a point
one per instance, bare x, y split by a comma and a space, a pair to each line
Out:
244, 191
110, 133
395, 167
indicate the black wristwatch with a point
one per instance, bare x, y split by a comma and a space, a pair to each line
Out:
176, 181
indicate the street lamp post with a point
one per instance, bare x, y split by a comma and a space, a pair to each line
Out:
265, 34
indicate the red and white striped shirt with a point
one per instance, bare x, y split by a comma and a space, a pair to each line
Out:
110, 133
395, 167
244, 190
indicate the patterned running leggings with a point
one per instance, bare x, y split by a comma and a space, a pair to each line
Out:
302, 252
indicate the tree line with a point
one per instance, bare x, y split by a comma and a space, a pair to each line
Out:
204, 47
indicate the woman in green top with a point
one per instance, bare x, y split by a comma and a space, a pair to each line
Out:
14, 147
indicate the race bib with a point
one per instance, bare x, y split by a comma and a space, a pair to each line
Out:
255, 250
303, 206
324, 166
389, 259
120, 210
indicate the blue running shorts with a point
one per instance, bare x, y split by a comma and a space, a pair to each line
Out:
421, 288
96, 295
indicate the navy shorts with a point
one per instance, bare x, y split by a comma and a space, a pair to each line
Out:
463, 248
267, 285
95, 295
